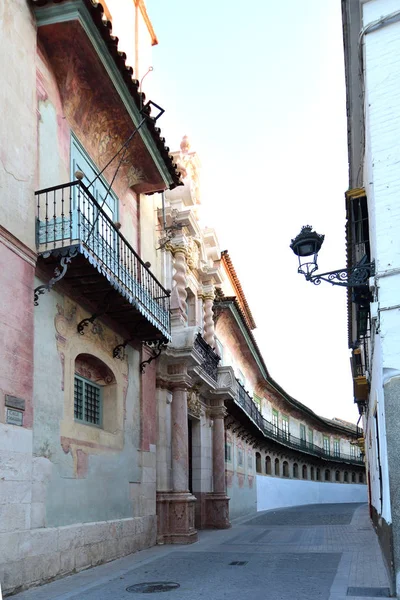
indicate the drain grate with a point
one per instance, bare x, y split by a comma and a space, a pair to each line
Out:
369, 592
152, 587
239, 563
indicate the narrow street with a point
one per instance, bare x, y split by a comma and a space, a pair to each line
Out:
315, 552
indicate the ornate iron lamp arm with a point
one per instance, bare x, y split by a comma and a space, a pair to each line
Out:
354, 277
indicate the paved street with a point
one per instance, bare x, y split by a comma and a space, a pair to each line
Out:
317, 552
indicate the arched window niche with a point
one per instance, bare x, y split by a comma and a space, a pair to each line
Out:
95, 393
304, 472
295, 470
87, 365
268, 465
277, 467
258, 463
285, 466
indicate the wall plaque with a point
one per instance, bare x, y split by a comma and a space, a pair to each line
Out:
14, 417
14, 402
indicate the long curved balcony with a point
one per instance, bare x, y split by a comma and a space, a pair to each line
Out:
272, 432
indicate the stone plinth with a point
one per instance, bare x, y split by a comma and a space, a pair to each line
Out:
175, 518
217, 511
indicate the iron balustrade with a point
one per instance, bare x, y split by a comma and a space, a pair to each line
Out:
69, 216
210, 358
272, 431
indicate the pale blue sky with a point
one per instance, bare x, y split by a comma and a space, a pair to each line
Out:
259, 89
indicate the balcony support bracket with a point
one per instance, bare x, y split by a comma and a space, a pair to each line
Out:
157, 348
85, 322
119, 351
66, 256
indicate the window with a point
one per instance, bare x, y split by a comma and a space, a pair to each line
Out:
302, 434
249, 461
258, 462
87, 401
268, 465
352, 451
220, 351
228, 452
327, 475
257, 401
336, 447
312, 476
241, 378
240, 457
318, 474
277, 466
353, 477
285, 426
337, 476
361, 478
327, 448
346, 477
285, 472
310, 437
304, 472
295, 470
275, 421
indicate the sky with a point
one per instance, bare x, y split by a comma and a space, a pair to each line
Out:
258, 87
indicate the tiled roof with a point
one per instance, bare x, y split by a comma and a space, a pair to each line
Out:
241, 298
104, 26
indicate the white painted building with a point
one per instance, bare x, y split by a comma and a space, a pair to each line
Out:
372, 59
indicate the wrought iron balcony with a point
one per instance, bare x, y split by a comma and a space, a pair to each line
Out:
102, 266
210, 358
273, 432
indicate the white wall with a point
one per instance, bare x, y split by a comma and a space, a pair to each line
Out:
273, 492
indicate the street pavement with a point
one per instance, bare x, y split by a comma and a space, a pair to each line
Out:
314, 552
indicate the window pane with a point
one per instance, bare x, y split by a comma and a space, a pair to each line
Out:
78, 399
92, 404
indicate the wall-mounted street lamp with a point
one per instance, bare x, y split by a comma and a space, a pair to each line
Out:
308, 243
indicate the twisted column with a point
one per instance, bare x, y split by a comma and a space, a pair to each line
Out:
209, 330
180, 279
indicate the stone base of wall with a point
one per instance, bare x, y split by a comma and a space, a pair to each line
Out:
41, 555
385, 536
175, 518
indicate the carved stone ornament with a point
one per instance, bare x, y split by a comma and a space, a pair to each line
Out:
193, 254
194, 405
225, 380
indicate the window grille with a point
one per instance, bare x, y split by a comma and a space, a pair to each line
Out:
87, 401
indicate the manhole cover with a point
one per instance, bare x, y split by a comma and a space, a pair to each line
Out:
152, 587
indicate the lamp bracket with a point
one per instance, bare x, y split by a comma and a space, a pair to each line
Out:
356, 276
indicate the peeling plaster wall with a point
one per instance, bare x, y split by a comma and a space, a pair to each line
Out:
17, 134
84, 483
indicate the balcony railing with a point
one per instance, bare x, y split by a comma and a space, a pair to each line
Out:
210, 358
68, 216
275, 433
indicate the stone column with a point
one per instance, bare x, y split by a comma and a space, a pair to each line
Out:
218, 501
180, 456
176, 509
219, 450
209, 331
179, 294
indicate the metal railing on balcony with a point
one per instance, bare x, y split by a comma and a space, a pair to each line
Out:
69, 216
210, 358
272, 431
